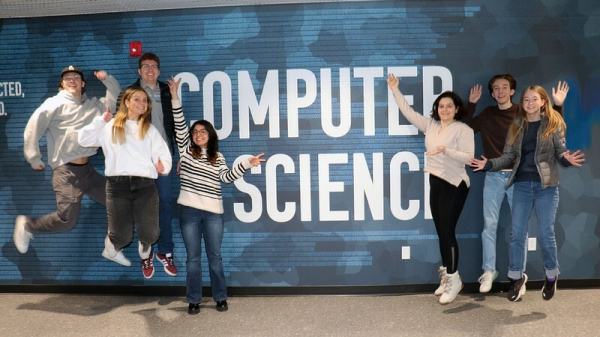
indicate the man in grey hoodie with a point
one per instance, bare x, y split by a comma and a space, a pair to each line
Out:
60, 117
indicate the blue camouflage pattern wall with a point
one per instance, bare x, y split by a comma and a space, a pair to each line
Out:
342, 199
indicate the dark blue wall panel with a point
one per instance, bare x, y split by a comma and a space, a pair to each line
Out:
461, 43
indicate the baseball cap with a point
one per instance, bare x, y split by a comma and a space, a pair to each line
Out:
71, 69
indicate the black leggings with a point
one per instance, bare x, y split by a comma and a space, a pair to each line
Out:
447, 201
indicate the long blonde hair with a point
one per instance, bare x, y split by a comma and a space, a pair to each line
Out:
118, 130
555, 120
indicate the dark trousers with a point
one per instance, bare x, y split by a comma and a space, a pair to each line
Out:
132, 200
447, 201
70, 182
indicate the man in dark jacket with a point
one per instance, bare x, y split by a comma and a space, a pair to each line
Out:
162, 119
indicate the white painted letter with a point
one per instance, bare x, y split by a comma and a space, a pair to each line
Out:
367, 186
345, 103
226, 102
252, 191
326, 187
269, 102
396, 186
294, 102
368, 75
271, 185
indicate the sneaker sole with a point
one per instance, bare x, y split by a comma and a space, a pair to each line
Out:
20, 227
123, 263
461, 288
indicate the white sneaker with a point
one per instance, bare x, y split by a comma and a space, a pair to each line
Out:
440, 290
486, 280
452, 287
111, 253
21, 236
119, 258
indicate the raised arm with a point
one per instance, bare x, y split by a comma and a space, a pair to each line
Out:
113, 89
468, 110
414, 118
182, 134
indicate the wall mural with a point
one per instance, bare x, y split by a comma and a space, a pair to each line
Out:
342, 198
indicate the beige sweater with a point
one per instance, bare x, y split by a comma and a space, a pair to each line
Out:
457, 137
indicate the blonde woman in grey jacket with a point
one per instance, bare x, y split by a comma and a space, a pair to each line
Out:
536, 144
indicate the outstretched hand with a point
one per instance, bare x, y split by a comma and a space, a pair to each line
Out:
475, 94
559, 94
173, 87
440, 149
256, 160
576, 159
477, 164
392, 81
39, 168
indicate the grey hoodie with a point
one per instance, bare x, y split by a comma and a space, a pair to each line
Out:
60, 117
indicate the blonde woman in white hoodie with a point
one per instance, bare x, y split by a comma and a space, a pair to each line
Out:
135, 154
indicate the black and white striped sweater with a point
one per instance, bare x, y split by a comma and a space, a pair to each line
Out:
200, 180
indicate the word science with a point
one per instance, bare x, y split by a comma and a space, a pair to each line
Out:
279, 107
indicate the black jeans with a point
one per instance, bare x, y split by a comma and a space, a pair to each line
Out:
132, 200
447, 201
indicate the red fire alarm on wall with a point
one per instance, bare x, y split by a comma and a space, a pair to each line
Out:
135, 48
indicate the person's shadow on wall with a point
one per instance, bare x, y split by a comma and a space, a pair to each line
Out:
29, 265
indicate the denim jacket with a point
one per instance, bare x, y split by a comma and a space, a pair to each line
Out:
547, 155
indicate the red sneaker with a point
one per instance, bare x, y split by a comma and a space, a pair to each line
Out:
167, 262
148, 267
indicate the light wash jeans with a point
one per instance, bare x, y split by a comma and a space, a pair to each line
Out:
527, 196
195, 224
494, 190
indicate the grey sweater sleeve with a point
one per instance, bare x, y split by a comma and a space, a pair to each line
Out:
113, 88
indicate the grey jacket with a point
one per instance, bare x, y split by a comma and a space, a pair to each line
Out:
547, 155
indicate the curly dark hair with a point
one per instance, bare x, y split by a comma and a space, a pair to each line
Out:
457, 102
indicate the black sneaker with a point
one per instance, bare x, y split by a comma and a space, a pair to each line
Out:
549, 289
517, 288
194, 308
222, 305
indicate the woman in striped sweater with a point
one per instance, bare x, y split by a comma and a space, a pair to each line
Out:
202, 170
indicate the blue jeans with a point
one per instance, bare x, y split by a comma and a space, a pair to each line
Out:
494, 190
165, 214
527, 196
195, 224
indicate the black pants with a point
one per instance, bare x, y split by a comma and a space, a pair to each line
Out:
447, 201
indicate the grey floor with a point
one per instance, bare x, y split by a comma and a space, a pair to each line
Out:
573, 312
